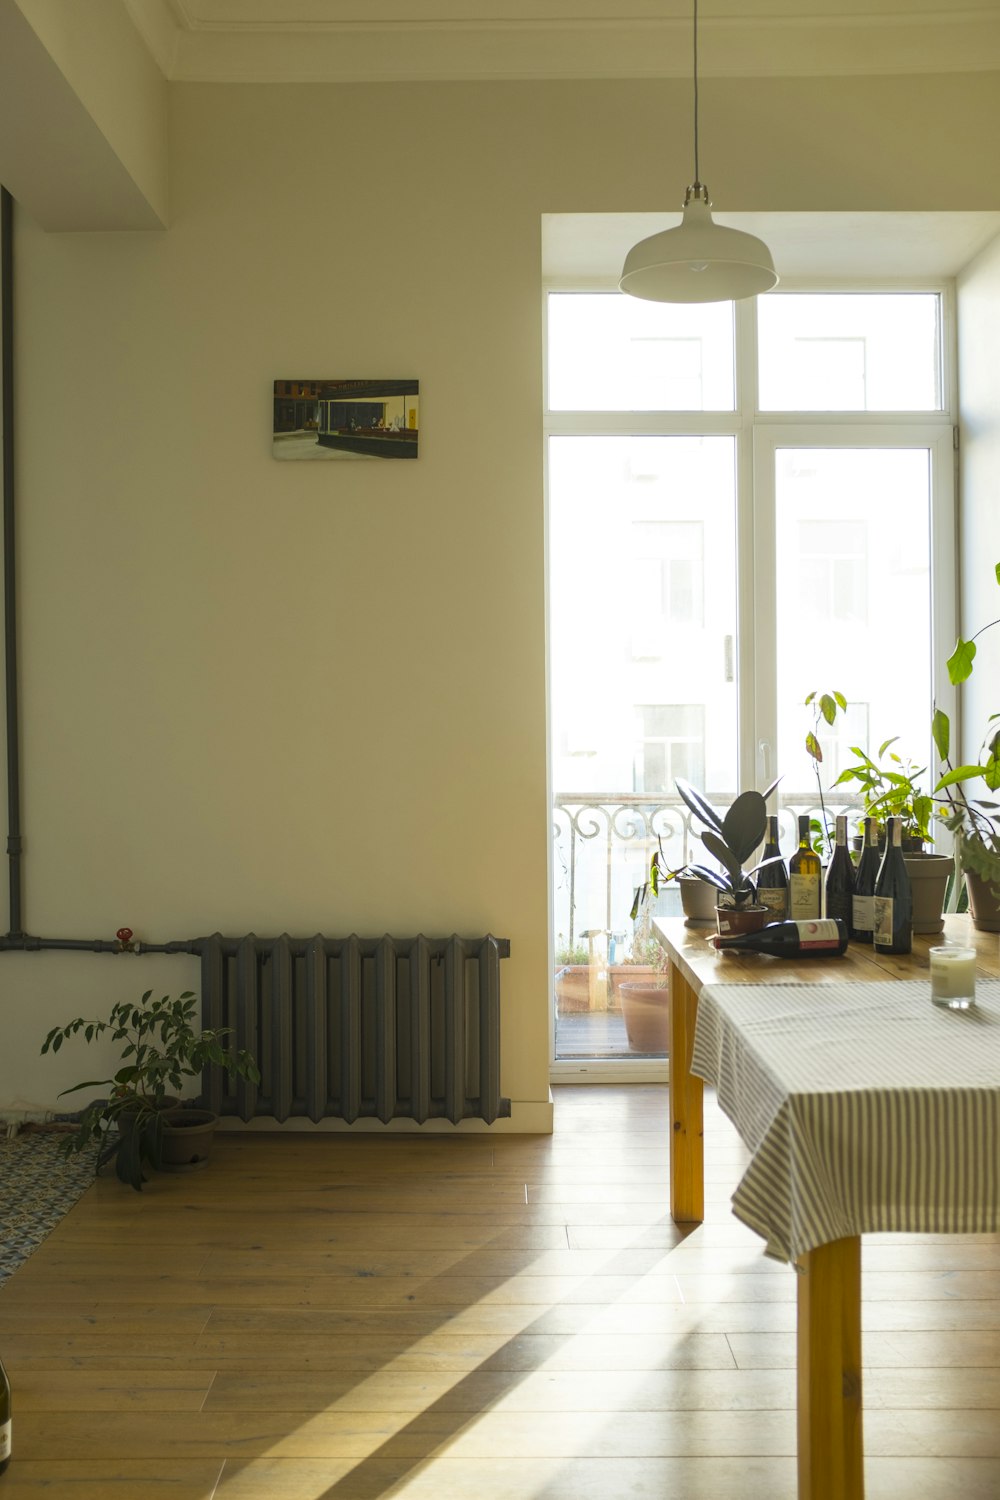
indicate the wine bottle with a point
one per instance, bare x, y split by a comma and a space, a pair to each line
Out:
804, 876
840, 877
823, 938
893, 931
772, 887
4, 1419
863, 900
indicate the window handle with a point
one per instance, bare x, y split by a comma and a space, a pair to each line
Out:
764, 761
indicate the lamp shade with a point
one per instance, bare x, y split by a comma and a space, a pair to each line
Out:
698, 261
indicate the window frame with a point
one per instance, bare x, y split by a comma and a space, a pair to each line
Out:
756, 434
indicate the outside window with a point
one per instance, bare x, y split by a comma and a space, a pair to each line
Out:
615, 354
843, 352
672, 744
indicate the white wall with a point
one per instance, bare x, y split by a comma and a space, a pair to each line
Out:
260, 696
979, 539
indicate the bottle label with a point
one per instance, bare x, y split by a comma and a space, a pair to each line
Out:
863, 913
882, 930
4, 1441
803, 896
815, 936
775, 898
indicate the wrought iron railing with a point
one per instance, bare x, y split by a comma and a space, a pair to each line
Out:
603, 845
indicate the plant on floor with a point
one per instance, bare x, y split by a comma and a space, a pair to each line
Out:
160, 1047
730, 838
975, 821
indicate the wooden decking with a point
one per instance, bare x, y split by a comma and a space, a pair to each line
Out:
470, 1318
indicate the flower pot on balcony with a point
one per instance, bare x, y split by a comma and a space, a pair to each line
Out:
929, 875
619, 974
646, 1013
572, 989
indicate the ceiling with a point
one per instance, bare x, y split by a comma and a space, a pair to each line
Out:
399, 40
584, 248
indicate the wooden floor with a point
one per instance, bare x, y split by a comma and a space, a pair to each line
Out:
469, 1318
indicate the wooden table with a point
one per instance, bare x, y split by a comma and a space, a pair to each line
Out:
830, 1453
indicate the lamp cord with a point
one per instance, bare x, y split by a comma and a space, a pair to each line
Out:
697, 179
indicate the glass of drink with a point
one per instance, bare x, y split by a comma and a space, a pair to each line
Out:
953, 977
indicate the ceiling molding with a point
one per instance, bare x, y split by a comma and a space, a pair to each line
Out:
261, 41
159, 25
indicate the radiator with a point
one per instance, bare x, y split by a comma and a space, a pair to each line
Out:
352, 1028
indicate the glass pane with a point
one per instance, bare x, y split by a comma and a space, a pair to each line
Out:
849, 352
642, 692
607, 352
853, 614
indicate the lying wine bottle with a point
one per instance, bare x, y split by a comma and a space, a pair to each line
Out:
822, 938
4, 1419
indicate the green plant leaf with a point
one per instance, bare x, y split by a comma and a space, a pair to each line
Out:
812, 747
961, 659
745, 825
720, 849
959, 773
884, 747
698, 804
941, 731
991, 773
842, 701
828, 708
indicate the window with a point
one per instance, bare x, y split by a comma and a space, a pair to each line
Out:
712, 563
671, 744
840, 352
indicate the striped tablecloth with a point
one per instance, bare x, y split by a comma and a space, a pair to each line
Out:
866, 1107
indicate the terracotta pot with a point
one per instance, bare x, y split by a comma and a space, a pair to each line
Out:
619, 974
984, 903
929, 875
646, 1013
187, 1139
572, 988
749, 919
697, 901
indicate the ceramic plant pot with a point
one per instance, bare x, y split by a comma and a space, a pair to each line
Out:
187, 1139
697, 901
732, 923
984, 903
929, 875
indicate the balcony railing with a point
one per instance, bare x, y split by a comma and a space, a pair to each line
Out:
603, 846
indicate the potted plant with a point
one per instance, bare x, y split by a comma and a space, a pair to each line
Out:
731, 838
643, 998
895, 790
136, 1125
824, 707
973, 820
572, 976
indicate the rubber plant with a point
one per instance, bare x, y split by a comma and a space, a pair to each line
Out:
160, 1047
730, 838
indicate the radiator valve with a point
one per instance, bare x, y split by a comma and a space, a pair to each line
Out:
125, 943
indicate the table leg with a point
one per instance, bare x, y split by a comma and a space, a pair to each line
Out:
829, 1372
687, 1135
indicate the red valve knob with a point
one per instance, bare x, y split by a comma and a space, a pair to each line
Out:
124, 934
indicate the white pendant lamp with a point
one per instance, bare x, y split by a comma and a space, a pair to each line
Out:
699, 260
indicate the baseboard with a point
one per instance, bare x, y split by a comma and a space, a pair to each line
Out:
527, 1117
